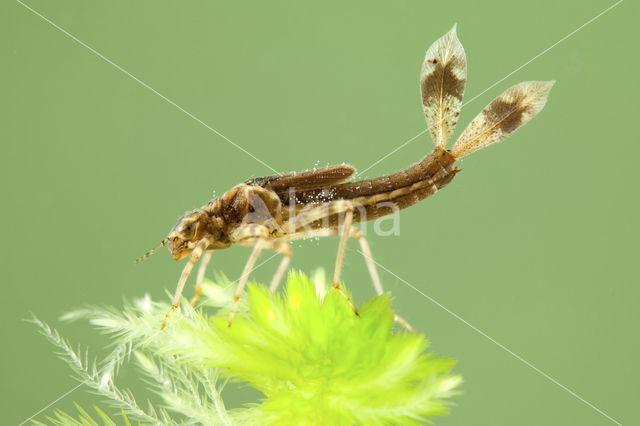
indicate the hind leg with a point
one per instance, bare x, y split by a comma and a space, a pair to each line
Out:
366, 254
371, 266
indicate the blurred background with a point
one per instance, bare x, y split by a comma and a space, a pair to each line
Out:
530, 253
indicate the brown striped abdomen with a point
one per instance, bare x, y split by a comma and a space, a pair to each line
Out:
381, 196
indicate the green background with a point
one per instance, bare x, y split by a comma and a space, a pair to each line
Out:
535, 243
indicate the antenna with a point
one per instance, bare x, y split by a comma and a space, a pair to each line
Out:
153, 250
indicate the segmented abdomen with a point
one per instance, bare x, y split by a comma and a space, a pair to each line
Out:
373, 198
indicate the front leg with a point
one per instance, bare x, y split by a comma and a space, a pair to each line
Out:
197, 252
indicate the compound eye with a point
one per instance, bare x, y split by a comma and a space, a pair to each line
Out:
188, 231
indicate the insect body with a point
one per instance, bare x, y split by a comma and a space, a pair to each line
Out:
268, 212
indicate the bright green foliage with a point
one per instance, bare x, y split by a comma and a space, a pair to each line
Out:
314, 360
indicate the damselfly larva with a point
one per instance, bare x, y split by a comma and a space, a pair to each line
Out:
269, 212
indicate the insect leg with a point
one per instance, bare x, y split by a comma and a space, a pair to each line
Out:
285, 249
245, 235
324, 211
368, 258
316, 213
345, 230
197, 252
251, 234
200, 277
257, 248
366, 252
371, 266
